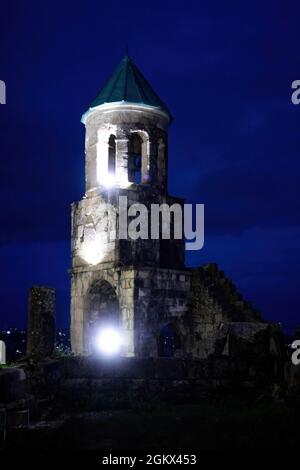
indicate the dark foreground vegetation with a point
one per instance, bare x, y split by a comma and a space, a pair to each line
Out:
211, 425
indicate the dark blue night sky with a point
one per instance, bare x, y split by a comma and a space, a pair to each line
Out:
225, 71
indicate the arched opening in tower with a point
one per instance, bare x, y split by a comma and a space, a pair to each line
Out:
135, 159
168, 341
112, 155
102, 312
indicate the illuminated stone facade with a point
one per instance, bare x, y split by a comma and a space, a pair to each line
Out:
141, 286
147, 276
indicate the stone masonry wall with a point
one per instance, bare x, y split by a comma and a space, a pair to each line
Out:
216, 302
41, 322
82, 281
148, 300
162, 297
95, 237
121, 123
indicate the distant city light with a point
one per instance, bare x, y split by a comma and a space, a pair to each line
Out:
15, 341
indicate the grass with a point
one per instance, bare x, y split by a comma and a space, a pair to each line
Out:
209, 425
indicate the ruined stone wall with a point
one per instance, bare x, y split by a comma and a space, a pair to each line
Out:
41, 322
148, 299
162, 297
215, 302
151, 298
90, 383
152, 286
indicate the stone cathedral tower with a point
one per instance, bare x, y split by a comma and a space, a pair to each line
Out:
139, 285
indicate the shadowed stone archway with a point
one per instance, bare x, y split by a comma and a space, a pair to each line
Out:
101, 310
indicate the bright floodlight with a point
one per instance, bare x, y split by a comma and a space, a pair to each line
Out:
108, 341
110, 180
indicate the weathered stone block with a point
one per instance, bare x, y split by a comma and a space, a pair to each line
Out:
41, 322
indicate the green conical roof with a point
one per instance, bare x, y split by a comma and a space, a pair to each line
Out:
127, 84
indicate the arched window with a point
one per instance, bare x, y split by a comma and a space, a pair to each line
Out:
135, 159
112, 155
